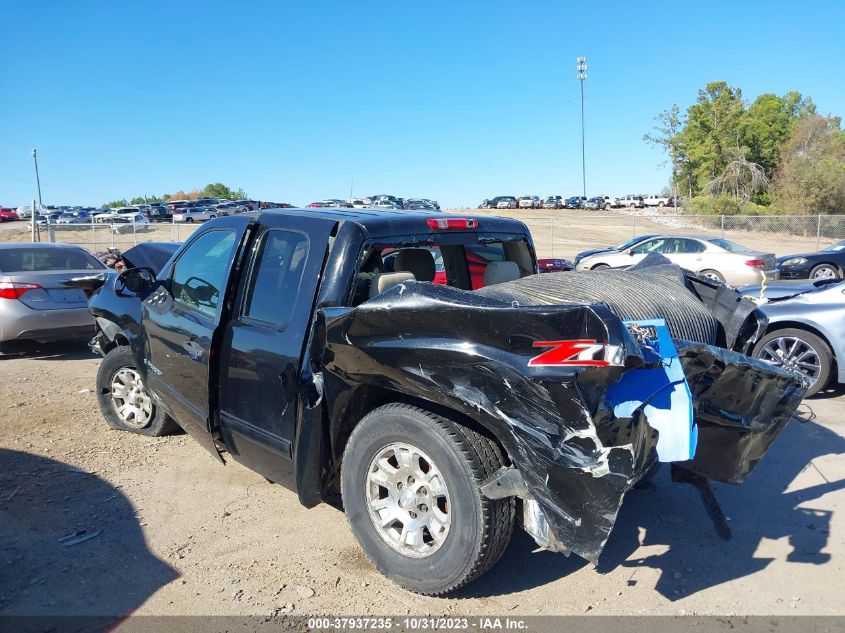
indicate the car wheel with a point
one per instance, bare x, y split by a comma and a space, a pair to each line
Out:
825, 271
212, 216
661, 204
411, 481
189, 219
124, 401
713, 275
600, 267
799, 350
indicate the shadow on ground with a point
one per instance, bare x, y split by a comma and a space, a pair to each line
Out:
70, 544
73, 349
672, 517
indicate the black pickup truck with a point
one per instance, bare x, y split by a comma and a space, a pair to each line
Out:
413, 369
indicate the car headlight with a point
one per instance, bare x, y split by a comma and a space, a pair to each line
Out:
794, 261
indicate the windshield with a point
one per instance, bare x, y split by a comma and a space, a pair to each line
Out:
634, 240
732, 247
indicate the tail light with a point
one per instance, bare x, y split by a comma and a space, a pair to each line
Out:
755, 263
15, 289
452, 223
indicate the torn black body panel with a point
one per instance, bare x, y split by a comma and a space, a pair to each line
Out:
741, 406
471, 353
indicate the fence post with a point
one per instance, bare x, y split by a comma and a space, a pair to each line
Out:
134, 233
818, 231
723, 226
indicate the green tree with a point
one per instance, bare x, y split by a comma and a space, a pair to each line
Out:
667, 134
766, 125
116, 203
219, 190
811, 178
712, 132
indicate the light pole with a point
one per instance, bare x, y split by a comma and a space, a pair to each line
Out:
37, 178
582, 75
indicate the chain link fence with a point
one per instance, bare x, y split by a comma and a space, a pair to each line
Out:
563, 234
556, 233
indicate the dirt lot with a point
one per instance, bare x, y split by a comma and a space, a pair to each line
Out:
561, 233
174, 532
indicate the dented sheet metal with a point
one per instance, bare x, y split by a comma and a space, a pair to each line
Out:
472, 354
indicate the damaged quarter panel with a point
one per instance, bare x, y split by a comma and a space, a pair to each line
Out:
471, 354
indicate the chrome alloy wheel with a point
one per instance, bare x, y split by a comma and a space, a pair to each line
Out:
408, 501
825, 272
130, 400
793, 353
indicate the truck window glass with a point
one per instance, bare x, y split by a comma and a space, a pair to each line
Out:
276, 276
200, 273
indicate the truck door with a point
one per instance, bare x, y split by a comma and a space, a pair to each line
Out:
263, 343
180, 323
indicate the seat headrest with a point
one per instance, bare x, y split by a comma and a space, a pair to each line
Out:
383, 282
500, 272
419, 261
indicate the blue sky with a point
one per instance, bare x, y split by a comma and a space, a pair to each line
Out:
452, 100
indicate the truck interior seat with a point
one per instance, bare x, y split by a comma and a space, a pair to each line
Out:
385, 281
500, 272
418, 261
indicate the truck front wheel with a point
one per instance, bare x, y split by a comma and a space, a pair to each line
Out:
124, 401
411, 481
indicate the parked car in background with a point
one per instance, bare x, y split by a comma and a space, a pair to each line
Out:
75, 217
493, 203
804, 330
553, 202
653, 200
828, 263
159, 212
554, 265
529, 202
632, 202
130, 223
358, 203
711, 257
506, 202
598, 202
35, 304
194, 214
24, 212
386, 204
622, 247
8, 215
575, 202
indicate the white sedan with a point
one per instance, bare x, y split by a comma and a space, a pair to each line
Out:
713, 257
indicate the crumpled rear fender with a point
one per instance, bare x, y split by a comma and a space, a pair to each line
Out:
472, 356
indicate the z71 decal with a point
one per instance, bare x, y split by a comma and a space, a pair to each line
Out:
578, 353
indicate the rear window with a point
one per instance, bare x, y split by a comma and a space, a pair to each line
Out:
44, 260
732, 247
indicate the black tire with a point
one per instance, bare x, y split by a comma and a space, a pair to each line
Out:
825, 356
821, 268
599, 267
480, 528
116, 360
715, 275
189, 219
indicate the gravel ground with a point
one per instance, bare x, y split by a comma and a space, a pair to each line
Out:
95, 521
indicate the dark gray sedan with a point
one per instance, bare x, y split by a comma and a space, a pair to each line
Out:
35, 303
805, 330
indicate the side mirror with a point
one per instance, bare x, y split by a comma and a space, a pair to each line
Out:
136, 280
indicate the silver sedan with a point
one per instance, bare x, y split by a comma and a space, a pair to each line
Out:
35, 304
805, 330
718, 259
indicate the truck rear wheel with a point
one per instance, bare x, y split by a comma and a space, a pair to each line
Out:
124, 401
411, 481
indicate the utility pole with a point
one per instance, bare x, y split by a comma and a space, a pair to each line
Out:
37, 179
582, 75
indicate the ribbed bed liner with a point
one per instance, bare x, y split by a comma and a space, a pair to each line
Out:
654, 292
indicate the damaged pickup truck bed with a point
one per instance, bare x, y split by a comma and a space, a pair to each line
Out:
313, 347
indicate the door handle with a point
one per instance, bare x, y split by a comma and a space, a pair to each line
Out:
194, 349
